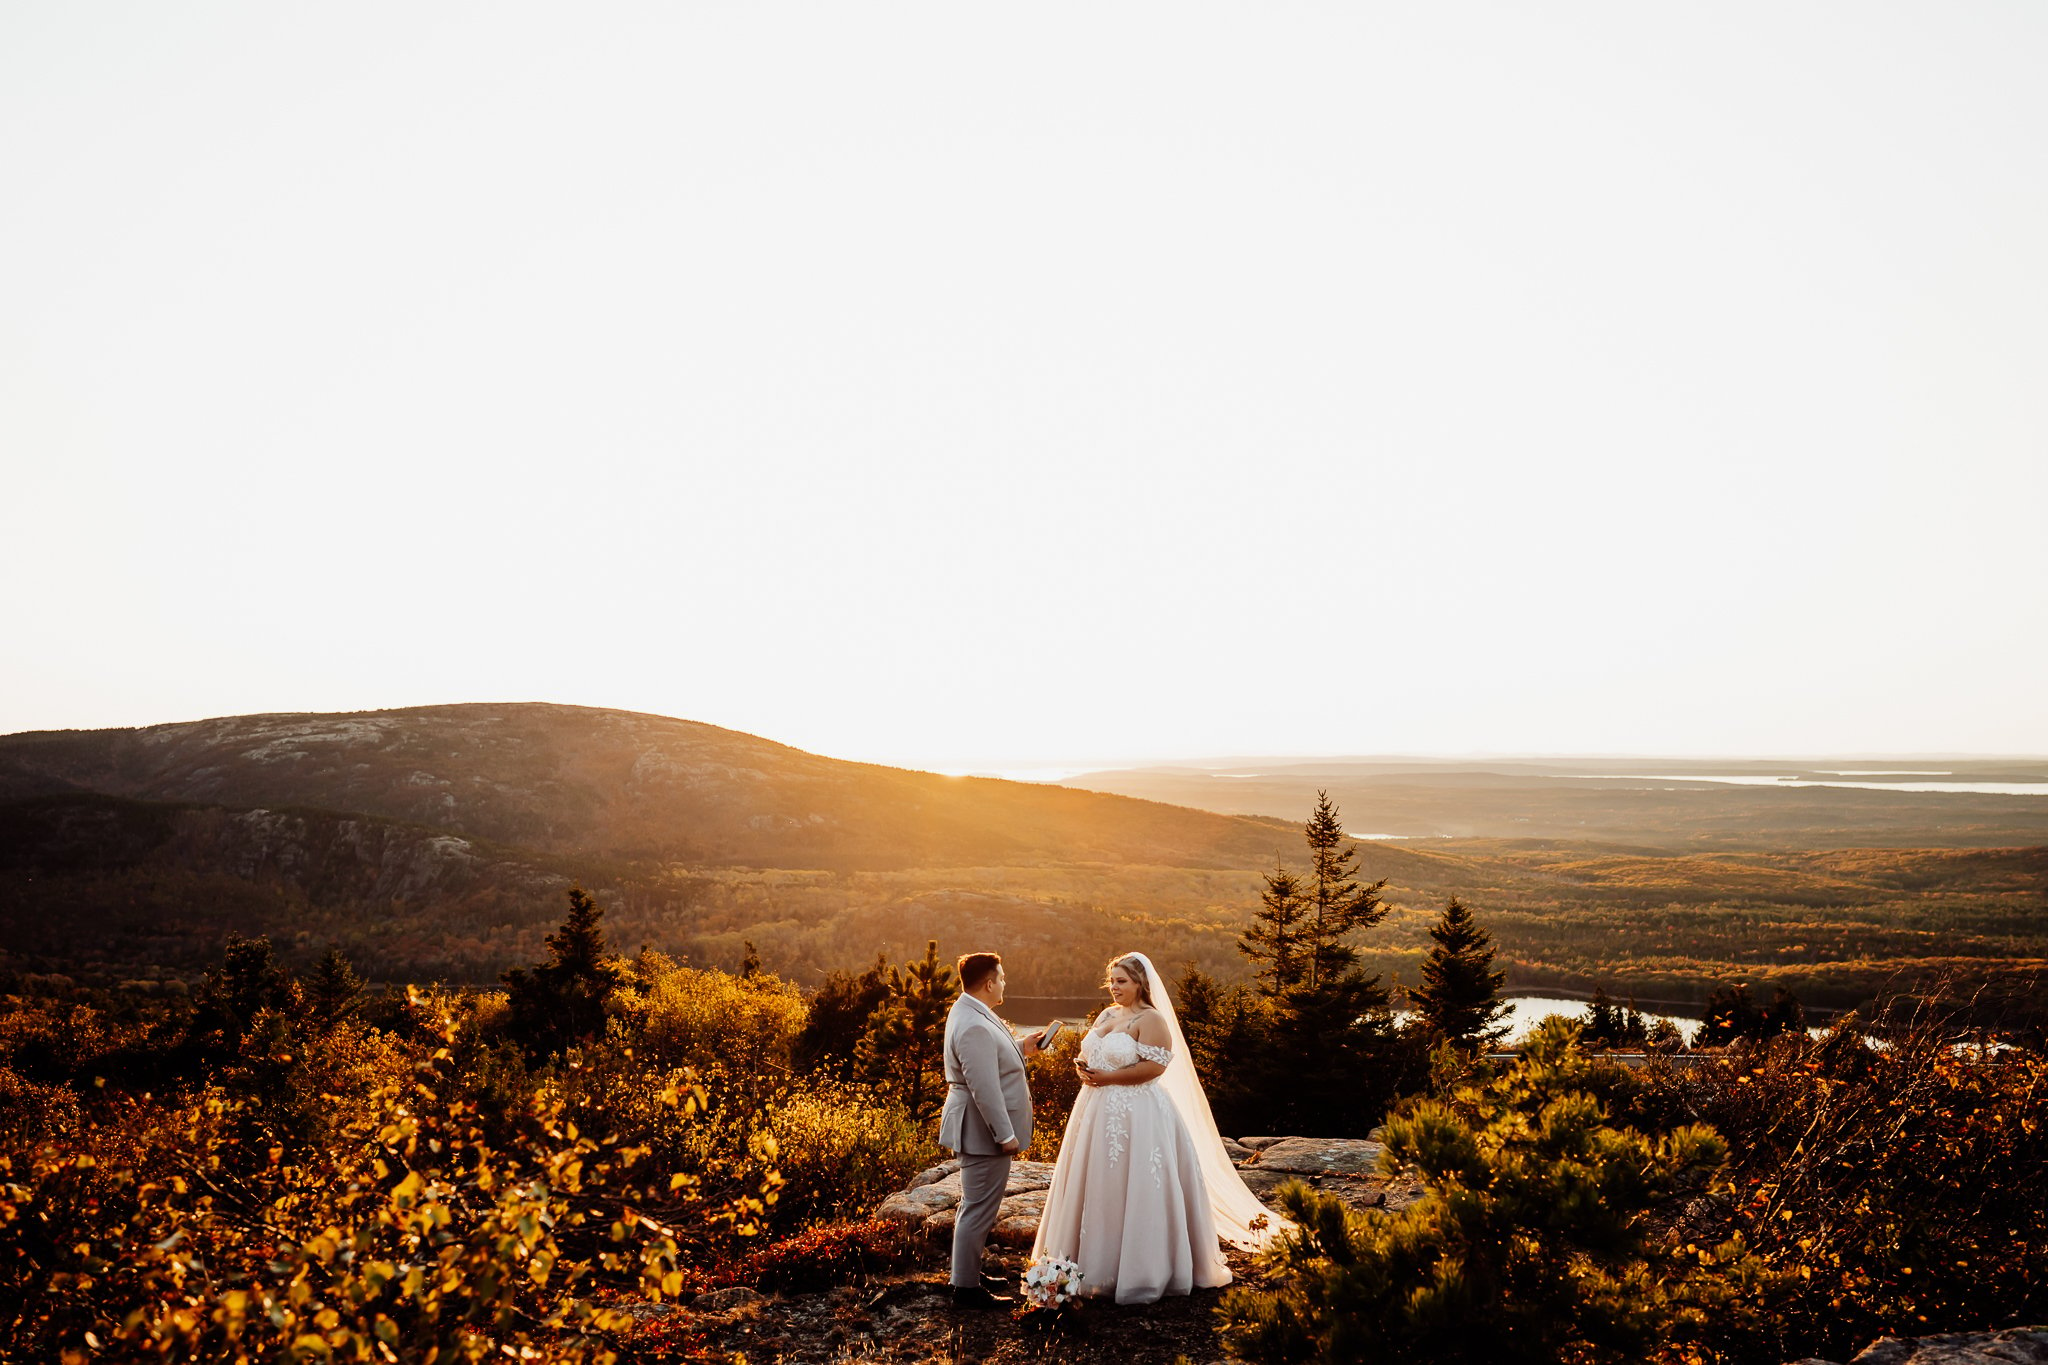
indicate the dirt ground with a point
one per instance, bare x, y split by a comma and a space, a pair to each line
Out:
907, 1318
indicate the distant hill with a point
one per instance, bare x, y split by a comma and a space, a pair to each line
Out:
623, 785
436, 841
1668, 804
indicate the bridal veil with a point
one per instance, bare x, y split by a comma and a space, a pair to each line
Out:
1240, 1218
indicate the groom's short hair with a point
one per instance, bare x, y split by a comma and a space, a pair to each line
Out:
975, 968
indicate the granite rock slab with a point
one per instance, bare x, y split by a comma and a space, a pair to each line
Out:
1321, 1156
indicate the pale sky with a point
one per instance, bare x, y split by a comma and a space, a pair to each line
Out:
944, 383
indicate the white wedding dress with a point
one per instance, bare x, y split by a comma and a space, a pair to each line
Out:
1128, 1202
1143, 1185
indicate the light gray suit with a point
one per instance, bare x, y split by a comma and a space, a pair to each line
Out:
988, 1103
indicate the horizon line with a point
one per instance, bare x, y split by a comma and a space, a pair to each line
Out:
986, 765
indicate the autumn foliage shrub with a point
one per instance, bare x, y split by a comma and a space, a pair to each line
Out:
742, 1027
1055, 1085
278, 1167
836, 1147
1897, 1189
843, 1149
161, 1233
418, 1177
820, 1257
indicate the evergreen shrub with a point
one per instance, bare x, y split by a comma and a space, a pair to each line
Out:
1531, 1245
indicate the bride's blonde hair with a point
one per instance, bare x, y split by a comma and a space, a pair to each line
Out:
1134, 969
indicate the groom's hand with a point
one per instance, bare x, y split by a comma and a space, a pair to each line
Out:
1010, 1148
1028, 1045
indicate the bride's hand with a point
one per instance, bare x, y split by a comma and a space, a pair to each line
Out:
1081, 1070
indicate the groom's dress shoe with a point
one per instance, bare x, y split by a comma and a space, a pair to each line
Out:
974, 1296
994, 1284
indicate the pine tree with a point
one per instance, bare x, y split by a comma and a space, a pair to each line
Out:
1362, 1064
1273, 940
1783, 1015
1730, 1014
332, 990
1226, 1029
838, 1017
1460, 993
250, 982
561, 1002
1315, 1000
750, 965
578, 945
1337, 903
1603, 1020
1635, 1031
906, 1033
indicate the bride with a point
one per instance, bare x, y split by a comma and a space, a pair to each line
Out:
1143, 1185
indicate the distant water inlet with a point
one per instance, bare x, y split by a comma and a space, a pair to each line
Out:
1826, 780
1524, 1011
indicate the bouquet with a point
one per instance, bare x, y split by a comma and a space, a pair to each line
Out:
1051, 1282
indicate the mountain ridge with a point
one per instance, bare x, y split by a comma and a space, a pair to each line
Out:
618, 784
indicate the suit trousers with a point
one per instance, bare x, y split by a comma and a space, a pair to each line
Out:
982, 1182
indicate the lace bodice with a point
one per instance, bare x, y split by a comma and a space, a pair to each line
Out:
1115, 1051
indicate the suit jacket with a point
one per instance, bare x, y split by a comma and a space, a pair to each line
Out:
988, 1098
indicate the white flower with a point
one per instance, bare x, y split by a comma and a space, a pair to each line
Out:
1051, 1281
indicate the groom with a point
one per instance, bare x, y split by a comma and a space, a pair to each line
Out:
987, 1119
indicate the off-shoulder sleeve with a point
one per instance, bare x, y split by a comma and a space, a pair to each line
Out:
1161, 1055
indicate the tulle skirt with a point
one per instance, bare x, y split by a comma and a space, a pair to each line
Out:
1127, 1201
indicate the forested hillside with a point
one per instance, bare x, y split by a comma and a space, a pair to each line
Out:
434, 845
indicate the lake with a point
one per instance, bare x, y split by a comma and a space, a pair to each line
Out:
1752, 780
1525, 1011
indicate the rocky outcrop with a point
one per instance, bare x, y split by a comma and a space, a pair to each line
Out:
2014, 1346
1318, 1156
932, 1201
1349, 1168
1345, 1167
